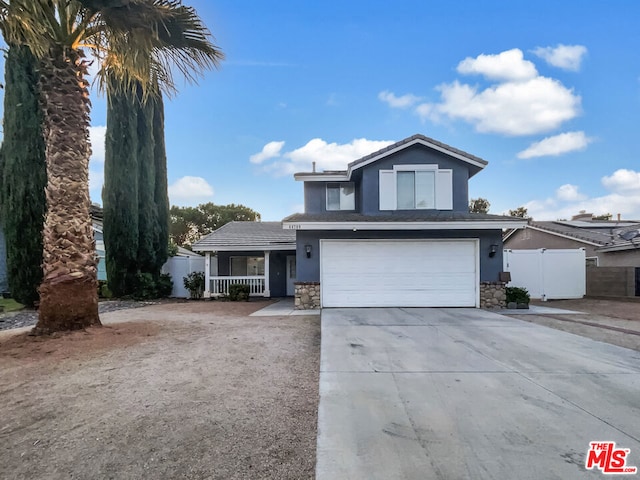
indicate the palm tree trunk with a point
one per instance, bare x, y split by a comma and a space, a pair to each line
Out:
69, 293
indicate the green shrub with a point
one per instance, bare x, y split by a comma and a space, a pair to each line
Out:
164, 286
238, 292
103, 289
194, 282
517, 295
145, 287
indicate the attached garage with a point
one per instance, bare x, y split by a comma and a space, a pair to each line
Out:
399, 273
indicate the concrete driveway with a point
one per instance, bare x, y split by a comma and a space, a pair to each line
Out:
411, 393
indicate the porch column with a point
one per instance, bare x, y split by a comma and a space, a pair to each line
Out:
267, 291
207, 275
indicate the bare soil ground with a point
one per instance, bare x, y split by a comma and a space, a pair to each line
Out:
611, 321
174, 391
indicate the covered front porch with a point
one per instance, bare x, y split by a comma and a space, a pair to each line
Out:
267, 274
260, 255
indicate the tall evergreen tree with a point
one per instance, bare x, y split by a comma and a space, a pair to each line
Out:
147, 212
120, 194
24, 175
161, 195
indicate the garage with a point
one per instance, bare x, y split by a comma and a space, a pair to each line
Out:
399, 273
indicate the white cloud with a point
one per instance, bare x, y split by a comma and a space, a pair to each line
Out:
405, 101
526, 107
567, 57
507, 65
190, 190
623, 199
328, 156
569, 193
270, 150
557, 145
96, 137
623, 180
520, 101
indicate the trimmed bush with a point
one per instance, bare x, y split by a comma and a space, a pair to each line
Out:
194, 282
164, 285
238, 292
517, 295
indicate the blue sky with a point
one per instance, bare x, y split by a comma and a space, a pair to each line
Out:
547, 92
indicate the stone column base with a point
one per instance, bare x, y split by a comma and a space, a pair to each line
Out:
306, 295
493, 295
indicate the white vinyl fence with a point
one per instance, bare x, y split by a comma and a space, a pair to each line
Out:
548, 274
180, 267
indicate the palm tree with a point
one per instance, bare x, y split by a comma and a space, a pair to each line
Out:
138, 42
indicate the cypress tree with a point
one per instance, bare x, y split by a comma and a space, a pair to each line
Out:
147, 221
161, 195
120, 193
24, 176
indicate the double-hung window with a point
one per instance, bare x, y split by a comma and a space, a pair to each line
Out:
416, 187
341, 196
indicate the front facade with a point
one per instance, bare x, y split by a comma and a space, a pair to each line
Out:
394, 230
258, 254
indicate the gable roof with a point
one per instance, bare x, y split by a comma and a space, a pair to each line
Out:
418, 139
602, 234
240, 236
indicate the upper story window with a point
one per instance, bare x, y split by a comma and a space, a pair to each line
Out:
341, 196
416, 187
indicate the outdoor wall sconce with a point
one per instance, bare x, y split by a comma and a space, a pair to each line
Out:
307, 248
493, 248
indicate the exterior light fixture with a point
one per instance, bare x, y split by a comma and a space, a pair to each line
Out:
493, 248
307, 249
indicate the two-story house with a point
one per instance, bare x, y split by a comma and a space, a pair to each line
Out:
394, 230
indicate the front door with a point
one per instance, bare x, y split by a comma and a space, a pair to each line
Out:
291, 274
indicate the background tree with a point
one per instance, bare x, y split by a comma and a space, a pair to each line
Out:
479, 205
606, 216
519, 212
189, 224
131, 35
23, 175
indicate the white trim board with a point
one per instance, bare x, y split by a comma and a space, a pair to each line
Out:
451, 225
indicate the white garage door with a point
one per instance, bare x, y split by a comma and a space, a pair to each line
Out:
399, 273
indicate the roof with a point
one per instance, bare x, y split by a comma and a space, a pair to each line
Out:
240, 236
601, 233
420, 139
185, 252
412, 220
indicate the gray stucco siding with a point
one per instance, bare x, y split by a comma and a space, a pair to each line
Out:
308, 269
418, 155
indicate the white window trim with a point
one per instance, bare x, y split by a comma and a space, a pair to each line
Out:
326, 196
443, 193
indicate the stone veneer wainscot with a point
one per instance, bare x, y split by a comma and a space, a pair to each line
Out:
493, 295
307, 295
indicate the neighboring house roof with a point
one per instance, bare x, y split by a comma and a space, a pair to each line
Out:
436, 219
602, 234
238, 236
185, 252
418, 139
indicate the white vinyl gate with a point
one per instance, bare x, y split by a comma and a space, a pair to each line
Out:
547, 274
180, 267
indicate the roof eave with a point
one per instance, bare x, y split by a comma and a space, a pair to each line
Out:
407, 225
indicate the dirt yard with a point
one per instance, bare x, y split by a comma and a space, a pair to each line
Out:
612, 321
175, 391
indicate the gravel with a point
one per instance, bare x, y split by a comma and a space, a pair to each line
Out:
29, 317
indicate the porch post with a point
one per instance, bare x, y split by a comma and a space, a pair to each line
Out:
207, 275
267, 291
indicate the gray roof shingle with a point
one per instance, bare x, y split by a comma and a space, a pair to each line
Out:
601, 233
236, 236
